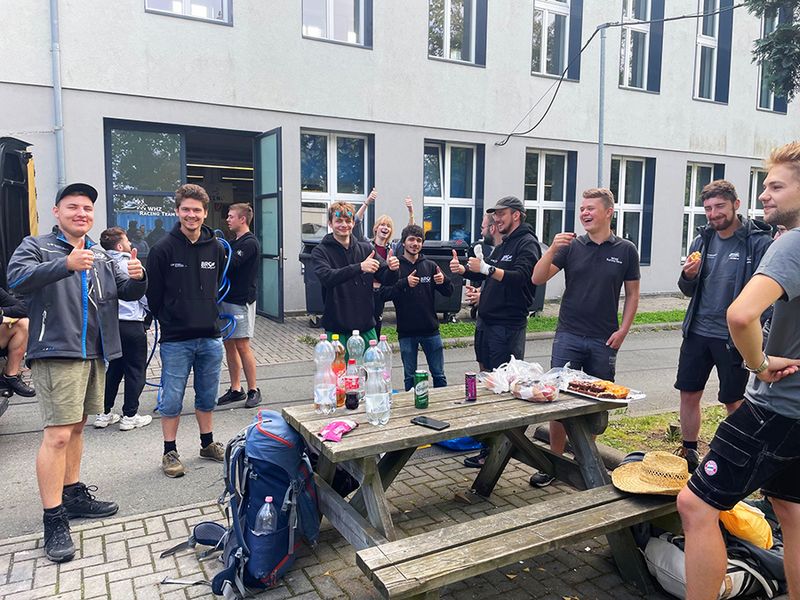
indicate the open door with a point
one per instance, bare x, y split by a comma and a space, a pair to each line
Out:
268, 207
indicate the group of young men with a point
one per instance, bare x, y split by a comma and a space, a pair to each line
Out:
89, 305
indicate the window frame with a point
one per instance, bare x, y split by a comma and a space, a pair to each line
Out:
330, 16
621, 208
446, 34
705, 41
446, 201
227, 7
540, 205
332, 174
692, 209
770, 93
629, 26
753, 211
546, 7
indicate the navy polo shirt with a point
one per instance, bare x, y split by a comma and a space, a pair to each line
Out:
594, 276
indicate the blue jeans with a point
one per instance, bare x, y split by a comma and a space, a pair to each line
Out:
590, 354
204, 357
434, 353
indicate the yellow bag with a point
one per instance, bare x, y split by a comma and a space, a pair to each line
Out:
748, 523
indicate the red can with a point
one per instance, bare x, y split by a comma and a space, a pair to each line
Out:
470, 387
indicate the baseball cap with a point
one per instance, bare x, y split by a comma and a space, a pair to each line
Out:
83, 189
511, 202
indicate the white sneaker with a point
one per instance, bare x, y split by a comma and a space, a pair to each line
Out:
102, 421
134, 422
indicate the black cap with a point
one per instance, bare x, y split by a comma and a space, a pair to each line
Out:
84, 189
511, 202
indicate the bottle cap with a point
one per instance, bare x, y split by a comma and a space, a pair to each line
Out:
383, 338
373, 342
268, 499
356, 332
323, 336
335, 336
352, 361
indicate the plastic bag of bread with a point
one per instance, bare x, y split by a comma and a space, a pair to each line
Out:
534, 391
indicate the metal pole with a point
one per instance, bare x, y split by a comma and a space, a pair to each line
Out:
58, 116
601, 106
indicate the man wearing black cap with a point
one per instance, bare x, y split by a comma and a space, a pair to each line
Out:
72, 287
507, 290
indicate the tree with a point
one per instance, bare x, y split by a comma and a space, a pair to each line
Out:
778, 52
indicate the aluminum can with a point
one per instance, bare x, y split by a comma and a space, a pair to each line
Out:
470, 387
421, 389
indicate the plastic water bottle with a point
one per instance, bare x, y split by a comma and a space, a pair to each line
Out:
386, 352
324, 378
356, 347
266, 519
377, 397
323, 350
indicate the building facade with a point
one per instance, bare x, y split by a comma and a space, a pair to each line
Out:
293, 104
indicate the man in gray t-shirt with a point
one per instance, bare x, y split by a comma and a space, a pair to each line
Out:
757, 446
721, 261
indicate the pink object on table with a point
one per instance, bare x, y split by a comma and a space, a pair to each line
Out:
333, 431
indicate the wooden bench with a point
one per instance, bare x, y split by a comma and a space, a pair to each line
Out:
418, 566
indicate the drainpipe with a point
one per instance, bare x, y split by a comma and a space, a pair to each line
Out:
58, 111
601, 106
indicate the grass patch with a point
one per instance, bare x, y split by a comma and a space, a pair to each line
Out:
629, 434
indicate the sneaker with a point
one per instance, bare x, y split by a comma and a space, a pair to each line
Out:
231, 396
691, 455
79, 502
102, 421
134, 422
541, 479
253, 398
171, 464
58, 546
18, 385
476, 462
214, 451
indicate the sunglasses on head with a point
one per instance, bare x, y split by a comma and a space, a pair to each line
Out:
346, 214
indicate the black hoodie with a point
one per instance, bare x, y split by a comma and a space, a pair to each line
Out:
415, 305
184, 279
346, 290
506, 302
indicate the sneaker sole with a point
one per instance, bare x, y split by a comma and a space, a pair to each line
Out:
214, 458
130, 427
60, 559
251, 404
92, 515
174, 475
542, 484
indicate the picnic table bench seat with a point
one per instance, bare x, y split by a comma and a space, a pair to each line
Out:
416, 567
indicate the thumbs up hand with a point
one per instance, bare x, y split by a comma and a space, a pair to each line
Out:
455, 266
438, 277
370, 264
413, 280
80, 259
476, 263
392, 261
135, 269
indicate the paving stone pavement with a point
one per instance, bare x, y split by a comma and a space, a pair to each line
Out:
119, 558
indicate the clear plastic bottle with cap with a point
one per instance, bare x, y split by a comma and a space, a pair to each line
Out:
386, 352
266, 519
324, 377
377, 403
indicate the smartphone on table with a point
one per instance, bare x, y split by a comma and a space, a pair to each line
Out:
430, 423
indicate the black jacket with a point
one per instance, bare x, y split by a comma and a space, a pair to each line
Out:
507, 302
12, 306
243, 272
415, 305
757, 238
184, 279
346, 290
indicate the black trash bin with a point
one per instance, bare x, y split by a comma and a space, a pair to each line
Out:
315, 305
442, 253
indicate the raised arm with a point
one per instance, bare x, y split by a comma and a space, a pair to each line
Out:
544, 269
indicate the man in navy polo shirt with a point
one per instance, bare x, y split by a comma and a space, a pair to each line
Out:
595, 266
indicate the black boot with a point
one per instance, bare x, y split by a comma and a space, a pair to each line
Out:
58, 546
79, 502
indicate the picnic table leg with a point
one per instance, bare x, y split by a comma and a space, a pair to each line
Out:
378, 511
388, 468
623, 547
499, 455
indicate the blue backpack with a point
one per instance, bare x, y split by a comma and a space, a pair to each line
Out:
267, 458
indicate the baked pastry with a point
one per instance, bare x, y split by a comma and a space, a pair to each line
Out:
695, 255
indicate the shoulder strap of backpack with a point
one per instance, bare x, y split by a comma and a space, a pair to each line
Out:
768, 588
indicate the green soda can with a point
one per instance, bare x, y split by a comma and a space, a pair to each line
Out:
421, 389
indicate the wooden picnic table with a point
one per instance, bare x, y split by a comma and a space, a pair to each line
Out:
375, 455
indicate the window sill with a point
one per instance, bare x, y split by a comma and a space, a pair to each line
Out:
629, 88
709, 101
554, 77
336, 42
770, 111
455, 62
163, 13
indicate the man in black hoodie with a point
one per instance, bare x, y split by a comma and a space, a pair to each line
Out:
346, 268
413, 298
185, 269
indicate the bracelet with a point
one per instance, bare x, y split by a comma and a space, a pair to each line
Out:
761, 368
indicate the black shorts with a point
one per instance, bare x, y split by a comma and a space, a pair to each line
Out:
699, 354
494, 344
753, 448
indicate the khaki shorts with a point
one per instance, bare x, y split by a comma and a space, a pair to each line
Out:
67, 389
244, 316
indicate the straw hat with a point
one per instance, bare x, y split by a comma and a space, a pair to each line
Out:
657, 473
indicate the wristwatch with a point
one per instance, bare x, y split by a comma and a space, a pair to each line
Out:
491, 271
761, 368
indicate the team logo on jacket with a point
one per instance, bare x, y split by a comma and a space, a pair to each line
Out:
733, 256
426, 279
208, 264
239, 253
177, 265
614, 259
507, 258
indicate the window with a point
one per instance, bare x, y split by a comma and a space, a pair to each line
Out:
713, 59
754, 208
635, 44
627, 185
550, 37
766, 97
449, 185
457, 30
333, 166
347, 21
694, 215
545, 193
207, 10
